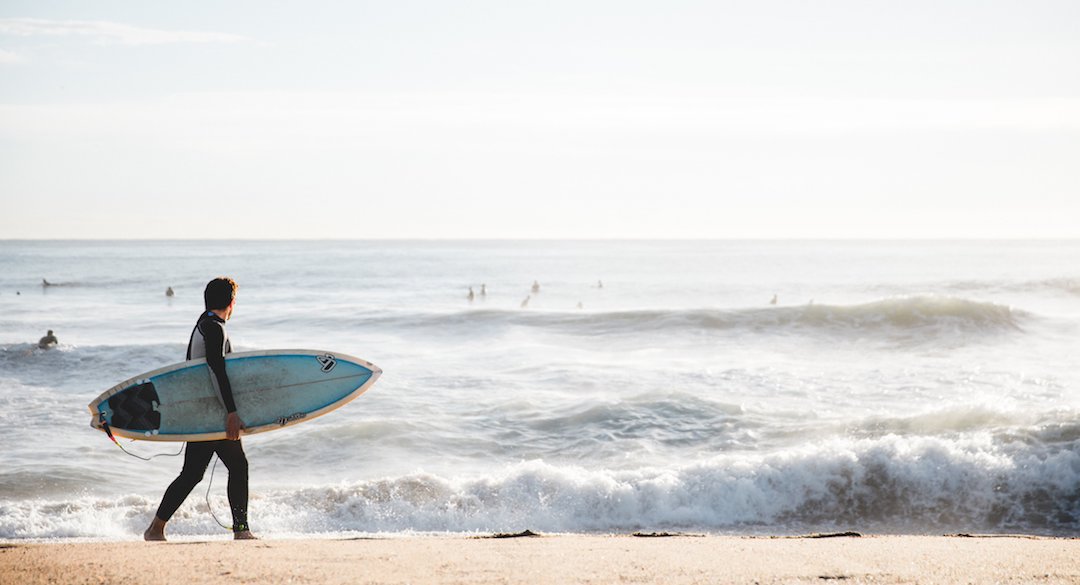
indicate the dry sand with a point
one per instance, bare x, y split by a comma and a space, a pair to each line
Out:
552, 559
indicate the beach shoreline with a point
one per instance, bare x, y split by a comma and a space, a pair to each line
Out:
563, 558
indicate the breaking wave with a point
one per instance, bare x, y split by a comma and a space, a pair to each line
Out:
888, 484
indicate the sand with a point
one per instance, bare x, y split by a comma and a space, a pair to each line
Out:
552, 559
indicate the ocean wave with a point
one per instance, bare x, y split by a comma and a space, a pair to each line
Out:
1058, 428
902, 315
1069, 285
887, 484
641, 429
97, 282
59, 366
1066, 285
958, 419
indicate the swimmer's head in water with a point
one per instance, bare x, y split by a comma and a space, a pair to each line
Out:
220, 293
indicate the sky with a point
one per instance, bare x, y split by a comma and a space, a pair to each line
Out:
558, 119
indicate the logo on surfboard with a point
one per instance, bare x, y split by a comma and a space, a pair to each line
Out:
292, 417
327, 361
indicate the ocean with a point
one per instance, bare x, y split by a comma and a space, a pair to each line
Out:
914, 387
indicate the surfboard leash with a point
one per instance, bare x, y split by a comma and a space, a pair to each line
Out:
108, 431
208, 486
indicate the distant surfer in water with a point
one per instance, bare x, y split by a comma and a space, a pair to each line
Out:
209, 339
536, 286
169, 292
49, 341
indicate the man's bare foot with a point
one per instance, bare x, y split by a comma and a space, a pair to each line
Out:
244, 535
156, 532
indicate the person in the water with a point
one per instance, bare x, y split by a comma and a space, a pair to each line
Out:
49, 341
209, 339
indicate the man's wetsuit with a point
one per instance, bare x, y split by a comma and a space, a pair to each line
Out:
209, 339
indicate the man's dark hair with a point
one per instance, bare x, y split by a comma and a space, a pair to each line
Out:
219, 293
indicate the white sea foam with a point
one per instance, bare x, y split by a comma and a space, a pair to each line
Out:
888, 484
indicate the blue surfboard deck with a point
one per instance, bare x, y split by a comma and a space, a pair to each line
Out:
272, 390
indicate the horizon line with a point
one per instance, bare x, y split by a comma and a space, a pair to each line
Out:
583, 239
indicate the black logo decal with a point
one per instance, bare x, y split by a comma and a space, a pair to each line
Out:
328, 362
292, 417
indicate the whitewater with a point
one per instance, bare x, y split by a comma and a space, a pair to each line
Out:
920, 387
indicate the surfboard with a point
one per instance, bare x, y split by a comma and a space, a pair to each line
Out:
272, 389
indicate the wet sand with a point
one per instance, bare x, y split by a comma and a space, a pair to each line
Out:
553, 559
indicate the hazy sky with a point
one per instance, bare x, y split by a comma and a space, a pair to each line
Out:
514, 119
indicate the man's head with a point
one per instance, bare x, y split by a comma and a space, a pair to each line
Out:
220, 294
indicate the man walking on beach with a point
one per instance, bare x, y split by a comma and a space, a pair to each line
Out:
209, 339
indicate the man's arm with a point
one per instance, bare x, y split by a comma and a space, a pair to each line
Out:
214, 335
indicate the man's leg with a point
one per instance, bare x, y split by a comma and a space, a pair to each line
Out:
232, 455
196, 458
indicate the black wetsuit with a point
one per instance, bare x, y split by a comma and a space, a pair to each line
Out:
209, 339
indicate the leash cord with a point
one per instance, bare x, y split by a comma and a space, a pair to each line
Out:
208, 486
108, 431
